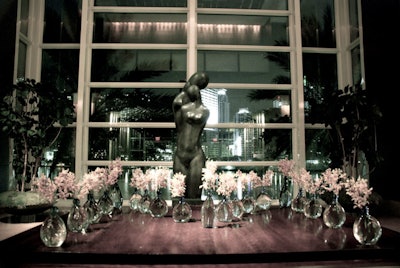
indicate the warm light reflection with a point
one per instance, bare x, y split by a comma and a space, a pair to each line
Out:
170, 26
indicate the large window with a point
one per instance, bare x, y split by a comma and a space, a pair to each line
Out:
124, 64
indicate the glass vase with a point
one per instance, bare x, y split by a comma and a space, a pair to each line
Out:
208, 216
144, 203
263, 201
117, 198
182, 212
249, 204
92, 208
158, 206
367, 229
313, 207
105, 204
53, 231
134, 200
299, 201
334, 215
285, 194
78, 218
237, 208
224, 210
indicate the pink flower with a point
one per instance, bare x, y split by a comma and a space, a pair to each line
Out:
358, 191
333, 180
286, 167
226, 183
210, 177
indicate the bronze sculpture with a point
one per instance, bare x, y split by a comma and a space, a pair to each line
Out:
190, 117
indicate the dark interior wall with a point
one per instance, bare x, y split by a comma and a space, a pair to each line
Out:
8, 15
381, 28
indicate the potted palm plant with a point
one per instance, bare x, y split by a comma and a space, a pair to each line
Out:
33, 115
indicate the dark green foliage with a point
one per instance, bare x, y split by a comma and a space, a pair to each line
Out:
28, 114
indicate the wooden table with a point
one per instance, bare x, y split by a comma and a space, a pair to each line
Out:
277, 238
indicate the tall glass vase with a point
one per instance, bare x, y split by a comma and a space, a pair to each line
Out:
237, 208
313, 207
158, 206
334, 215
182, 212
117, 198
285, 195
134, 200
92, 208
78, 218
208, 215
224, 210
53, 231
367, 229
299, 201
105, 204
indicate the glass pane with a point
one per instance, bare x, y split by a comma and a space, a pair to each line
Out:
353, 18
318, 23
318, 150
158, 144
226, 106
320, 78
139, 28
245, 67
356, 65
24, 17
263, 4
61, 67
60, 155
132, 105
141, 3
138, 65
21, 59
62, 21
242, 30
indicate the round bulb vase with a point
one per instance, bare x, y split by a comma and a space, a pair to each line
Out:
53, 231
334, 215
182, 212
367, 229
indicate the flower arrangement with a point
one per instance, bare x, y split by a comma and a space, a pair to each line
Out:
151, 179
226, 183
359, 191
333, 180
210, 177
178, 185
65, 185
286, 167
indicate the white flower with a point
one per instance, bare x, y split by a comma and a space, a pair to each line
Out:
333, 180
226, 183
177, 185
210, 177
286, 166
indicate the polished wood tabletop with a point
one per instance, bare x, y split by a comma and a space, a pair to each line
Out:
278, 235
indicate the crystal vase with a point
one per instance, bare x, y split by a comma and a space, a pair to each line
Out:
78, 218
285, 194
144, 203
117, 198
299, 201
181, 212
92, 208
134, 200
263, 201
237, 207
158, 206
334, 215
53, 231
367, 229
249, 204
224, 210
105, 204
313, 207
208, 216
